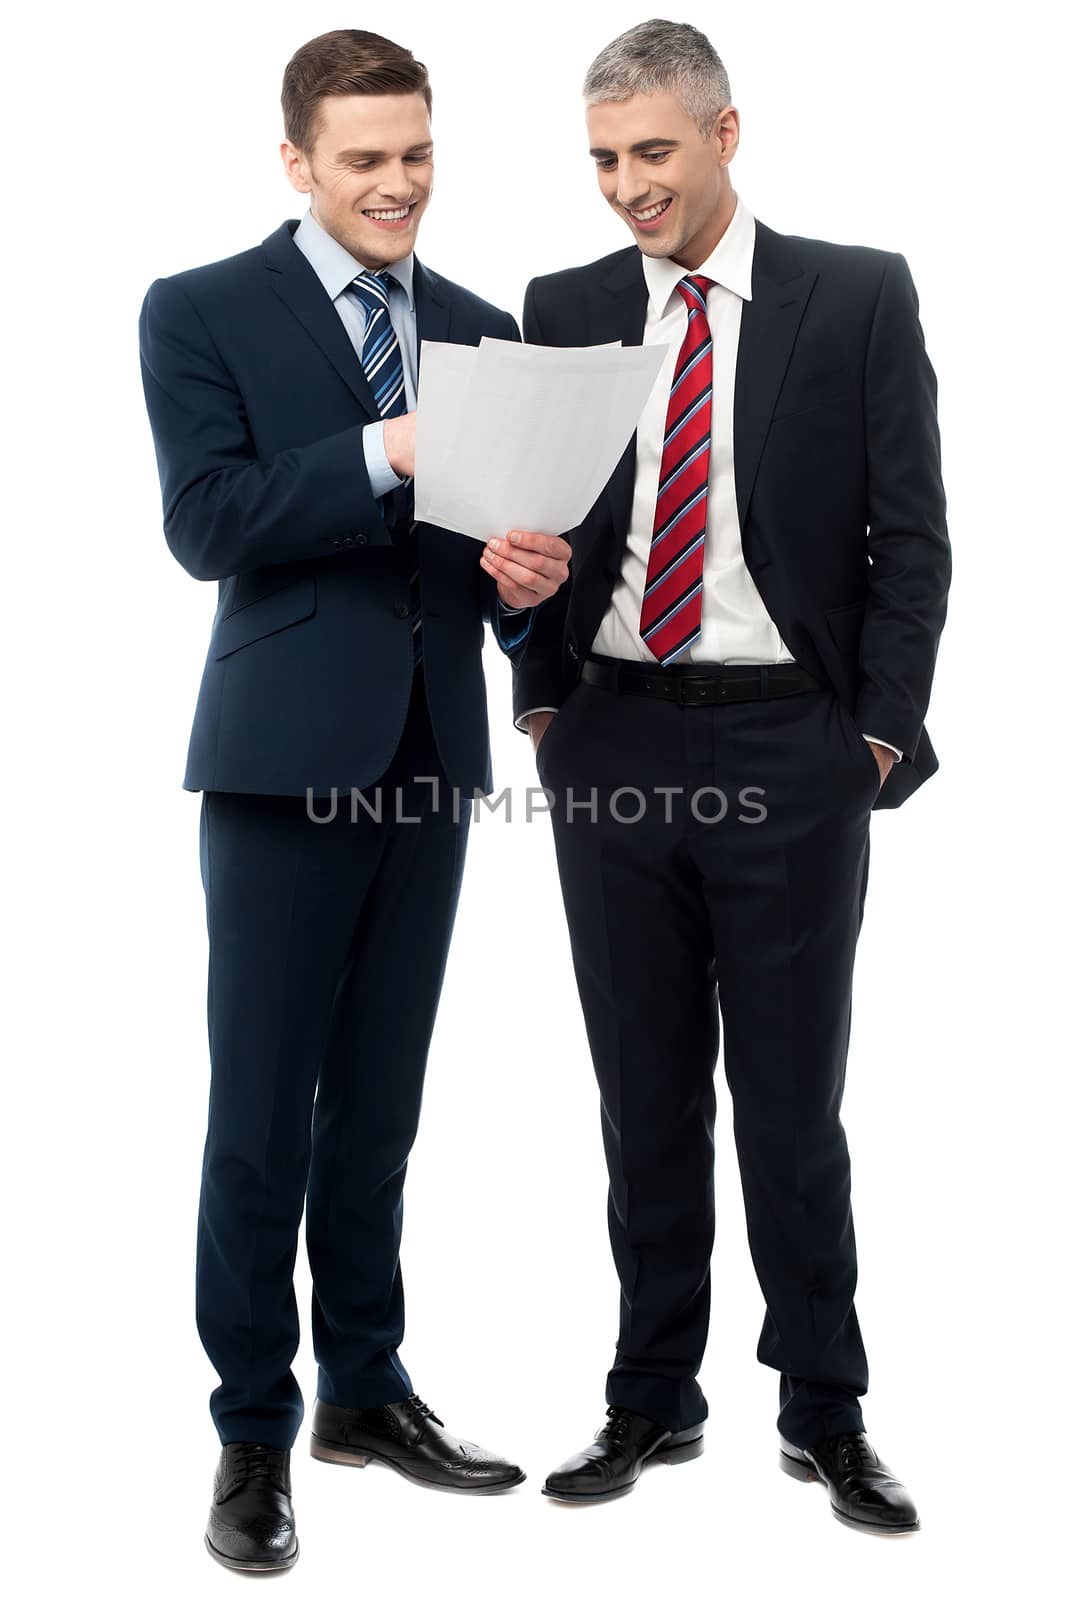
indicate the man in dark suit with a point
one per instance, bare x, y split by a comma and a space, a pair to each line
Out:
345, 661
734, 676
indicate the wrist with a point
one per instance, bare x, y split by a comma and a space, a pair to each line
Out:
394, 438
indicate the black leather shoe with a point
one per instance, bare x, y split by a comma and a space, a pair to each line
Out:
250, 1526
406, 1435
862, 1490
612, 1462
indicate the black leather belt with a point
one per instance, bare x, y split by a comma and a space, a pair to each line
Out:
692, 685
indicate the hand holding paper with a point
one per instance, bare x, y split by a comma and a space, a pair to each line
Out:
528, 567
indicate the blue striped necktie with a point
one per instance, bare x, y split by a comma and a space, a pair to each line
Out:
383, 366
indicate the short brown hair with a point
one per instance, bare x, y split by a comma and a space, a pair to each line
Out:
346, 61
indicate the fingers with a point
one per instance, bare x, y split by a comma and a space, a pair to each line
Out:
544, 544
530, 560
542, 569
513, 593
543, 581
534, 547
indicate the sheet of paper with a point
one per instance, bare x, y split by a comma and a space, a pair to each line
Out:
444, 374
523, 436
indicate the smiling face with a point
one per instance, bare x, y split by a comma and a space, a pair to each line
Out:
669, 184
369, 173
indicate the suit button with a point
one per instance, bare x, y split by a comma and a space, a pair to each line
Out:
360, 538
338, 544
402, 610
349, 540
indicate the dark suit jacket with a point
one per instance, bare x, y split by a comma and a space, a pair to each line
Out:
837, 469
257, 403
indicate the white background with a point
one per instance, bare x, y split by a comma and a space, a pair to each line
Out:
139, 143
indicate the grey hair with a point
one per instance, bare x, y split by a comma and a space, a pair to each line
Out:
656, 57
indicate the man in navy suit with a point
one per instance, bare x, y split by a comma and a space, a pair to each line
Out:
340, 733
745, 651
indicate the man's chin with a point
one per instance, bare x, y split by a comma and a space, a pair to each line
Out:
381, 245
658, 248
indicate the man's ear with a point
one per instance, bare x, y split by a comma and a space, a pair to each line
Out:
295, 164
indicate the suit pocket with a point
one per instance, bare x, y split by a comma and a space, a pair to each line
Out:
258, 584
863, 749
548, 735
265, 614
845, 626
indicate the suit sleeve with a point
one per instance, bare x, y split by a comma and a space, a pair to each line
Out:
511, 625
539, 678
224, 509
908, 548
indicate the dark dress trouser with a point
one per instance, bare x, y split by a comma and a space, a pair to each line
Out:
673, 923
327, 950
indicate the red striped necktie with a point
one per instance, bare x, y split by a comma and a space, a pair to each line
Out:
673, 589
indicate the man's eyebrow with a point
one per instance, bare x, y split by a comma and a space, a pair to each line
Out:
642, 145
380, 155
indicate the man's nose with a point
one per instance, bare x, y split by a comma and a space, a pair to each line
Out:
632, 186
395, 181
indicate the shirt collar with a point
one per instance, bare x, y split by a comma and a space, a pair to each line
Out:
336, 267
729, 263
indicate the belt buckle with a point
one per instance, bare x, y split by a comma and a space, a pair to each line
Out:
696, 691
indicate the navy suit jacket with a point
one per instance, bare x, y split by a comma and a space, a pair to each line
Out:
257, 403
838, 485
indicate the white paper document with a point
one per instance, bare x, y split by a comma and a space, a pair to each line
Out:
523, 435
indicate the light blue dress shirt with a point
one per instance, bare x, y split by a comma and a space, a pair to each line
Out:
335, 269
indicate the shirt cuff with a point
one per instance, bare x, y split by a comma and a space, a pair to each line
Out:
521, 722
512, 624
382, 479
872, 738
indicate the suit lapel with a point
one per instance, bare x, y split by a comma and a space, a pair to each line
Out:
432, 313
622, 311
295, 281
780, 289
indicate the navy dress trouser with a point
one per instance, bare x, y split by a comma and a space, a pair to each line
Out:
687, 918
328, 942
